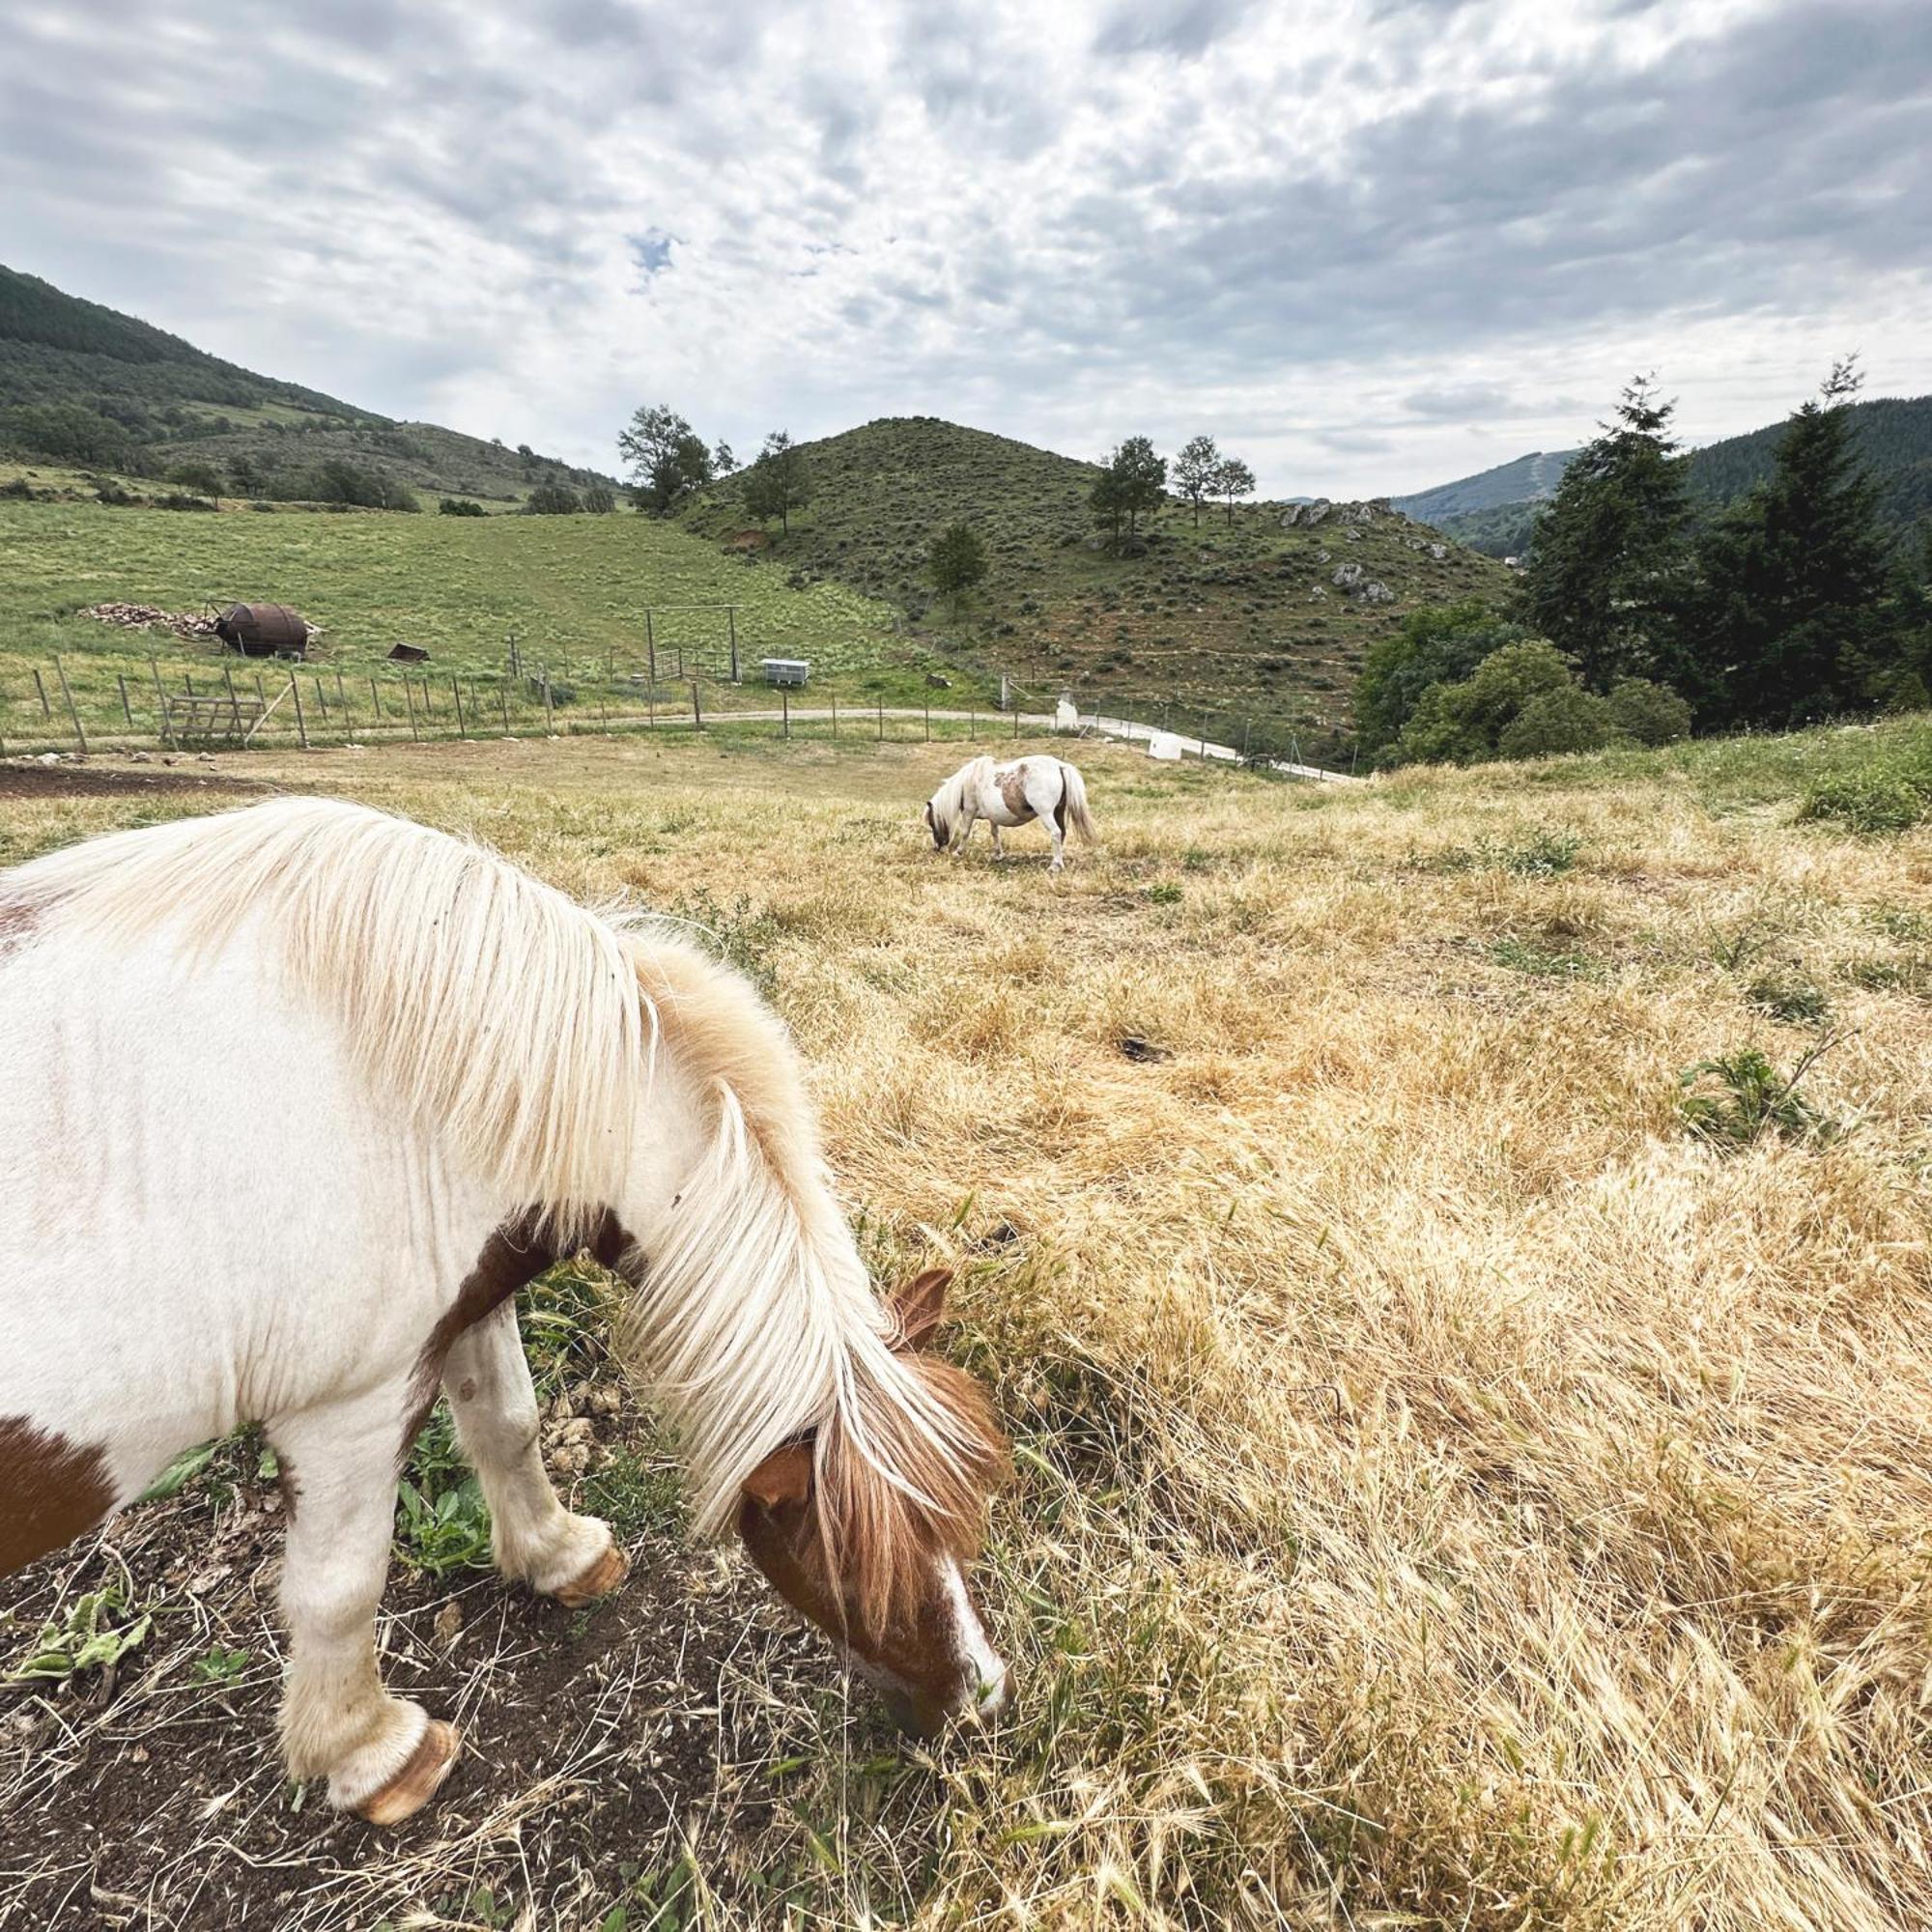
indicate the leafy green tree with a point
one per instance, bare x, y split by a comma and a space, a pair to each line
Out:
722, 462
779, 482
1647, 713
1606, 567
959, 560
1439, 644
1142, 479
197, 475
1462, 722
1105, 502
1566, 718
1196, 470
1794, 617
668, 459
1233, 478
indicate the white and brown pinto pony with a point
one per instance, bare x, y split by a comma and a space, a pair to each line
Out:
1048, 789
294, 1101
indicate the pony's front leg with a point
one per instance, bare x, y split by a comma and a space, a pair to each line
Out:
999, 850
383, 1756
963, 835
536, 1540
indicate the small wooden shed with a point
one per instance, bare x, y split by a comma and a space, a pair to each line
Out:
262, 631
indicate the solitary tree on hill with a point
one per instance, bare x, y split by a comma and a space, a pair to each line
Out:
959, 560
666, 458
779, 482
1606, 570
1196, 470
1133, 483
1233, 478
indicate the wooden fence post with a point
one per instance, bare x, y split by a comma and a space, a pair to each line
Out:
550, 704
301, 722
233, 702
410, 698
161, 703
731, 618
784, 700
73, 711
697, 711
503, 704
882, 721
47, 709
375, 697
928, 721
126, 709
835, 715
457, 689
651, 646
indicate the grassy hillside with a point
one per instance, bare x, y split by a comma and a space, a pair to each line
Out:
1240, 617
85, 385
573, 589
1893, 436
1450, 1490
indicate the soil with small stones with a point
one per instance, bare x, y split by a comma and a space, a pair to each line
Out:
596, 1744
77, 781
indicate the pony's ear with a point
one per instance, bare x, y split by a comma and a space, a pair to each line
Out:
784, 1476
920, 1304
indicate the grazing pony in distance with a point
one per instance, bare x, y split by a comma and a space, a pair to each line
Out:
294, 1101
1048, 789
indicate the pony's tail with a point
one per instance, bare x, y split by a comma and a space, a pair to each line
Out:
1073, 812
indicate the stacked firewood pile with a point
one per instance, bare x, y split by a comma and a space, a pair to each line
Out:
146, 617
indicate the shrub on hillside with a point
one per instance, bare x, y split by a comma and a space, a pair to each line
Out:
459, 506
1883, 799
200, 477
600, 500
1647, 713
1462, 722
1566, 718
1436, 644
553, 499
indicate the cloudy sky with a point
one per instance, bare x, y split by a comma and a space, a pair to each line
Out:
1371, 245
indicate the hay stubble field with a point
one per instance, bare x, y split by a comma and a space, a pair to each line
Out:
1450, 1491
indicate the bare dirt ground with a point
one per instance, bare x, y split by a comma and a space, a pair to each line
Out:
29, 778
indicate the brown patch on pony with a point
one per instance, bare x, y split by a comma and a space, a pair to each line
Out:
51, 1491
19, 922
857, 1554
1012, 789
511, 1259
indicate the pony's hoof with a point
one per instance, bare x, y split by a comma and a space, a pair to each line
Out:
599, 1581
416, 1783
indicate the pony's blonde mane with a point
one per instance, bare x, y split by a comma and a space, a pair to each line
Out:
949, 800
524, 1032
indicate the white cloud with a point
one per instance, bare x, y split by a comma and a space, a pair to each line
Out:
1369, 244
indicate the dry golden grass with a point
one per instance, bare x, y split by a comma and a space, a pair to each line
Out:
1449, 1493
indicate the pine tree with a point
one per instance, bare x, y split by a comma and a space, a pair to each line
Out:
1792, 618
1605, 565
779, 482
